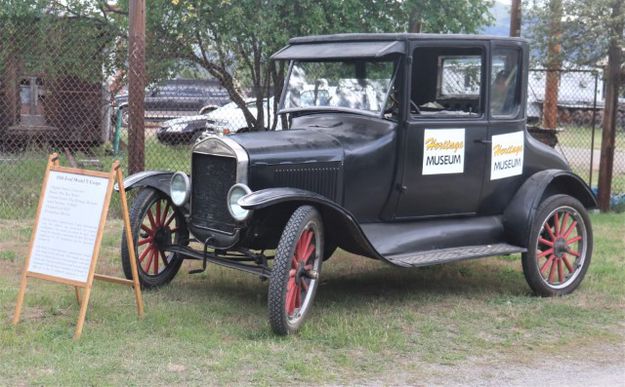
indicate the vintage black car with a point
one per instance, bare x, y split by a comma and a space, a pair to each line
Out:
407, 148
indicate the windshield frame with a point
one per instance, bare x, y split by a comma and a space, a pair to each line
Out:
396, 61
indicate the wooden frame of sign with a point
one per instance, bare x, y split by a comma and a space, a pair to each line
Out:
69, 254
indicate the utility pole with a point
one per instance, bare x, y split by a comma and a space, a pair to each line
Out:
515, 18
552, 84
606, 162
136, 86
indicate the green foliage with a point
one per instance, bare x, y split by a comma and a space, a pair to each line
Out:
233, 40
230, 40
586, 28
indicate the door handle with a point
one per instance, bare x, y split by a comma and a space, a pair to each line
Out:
484, 141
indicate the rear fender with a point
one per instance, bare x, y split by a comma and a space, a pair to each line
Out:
339, 224
519, 215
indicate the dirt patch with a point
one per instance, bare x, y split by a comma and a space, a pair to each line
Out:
596, 365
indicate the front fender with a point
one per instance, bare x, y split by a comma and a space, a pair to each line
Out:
339, 223
519, 214
155, 179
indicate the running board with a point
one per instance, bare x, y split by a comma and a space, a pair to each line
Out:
435, 257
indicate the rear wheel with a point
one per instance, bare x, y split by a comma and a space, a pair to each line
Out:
155, 224
560, 247
295, 274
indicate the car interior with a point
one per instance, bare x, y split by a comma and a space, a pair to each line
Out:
447, 82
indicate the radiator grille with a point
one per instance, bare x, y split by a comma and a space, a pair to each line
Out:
212, 178
320, 179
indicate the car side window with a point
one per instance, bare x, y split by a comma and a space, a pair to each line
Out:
505, 91
447, 82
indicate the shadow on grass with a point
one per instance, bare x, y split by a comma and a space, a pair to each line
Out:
358, 282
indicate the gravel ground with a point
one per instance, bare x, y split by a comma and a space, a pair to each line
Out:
603, 366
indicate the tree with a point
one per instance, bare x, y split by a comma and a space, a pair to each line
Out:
591, 31
233, 40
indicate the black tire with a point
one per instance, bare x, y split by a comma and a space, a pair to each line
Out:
295, 273
152, 232
560, 225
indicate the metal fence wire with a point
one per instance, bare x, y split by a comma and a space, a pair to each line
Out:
574, 122
63, 88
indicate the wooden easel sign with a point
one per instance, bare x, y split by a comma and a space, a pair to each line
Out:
66, 238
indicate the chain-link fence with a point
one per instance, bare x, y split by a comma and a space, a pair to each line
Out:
64, 88
570, 111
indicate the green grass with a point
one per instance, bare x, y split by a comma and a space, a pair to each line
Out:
370, 322
22, 173
581, 137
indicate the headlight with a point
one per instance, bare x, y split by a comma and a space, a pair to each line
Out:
179, 188
236, 192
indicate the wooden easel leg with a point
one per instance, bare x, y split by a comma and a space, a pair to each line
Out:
130, 243
20, 300
83, 311
77, 289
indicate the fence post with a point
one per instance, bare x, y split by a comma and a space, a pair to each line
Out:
136, 86
606, 162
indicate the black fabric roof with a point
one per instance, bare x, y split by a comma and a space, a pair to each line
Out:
332, 50
395, 36
364, 45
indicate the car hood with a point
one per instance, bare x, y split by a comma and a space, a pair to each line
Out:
184, 120
318, 138
295, 146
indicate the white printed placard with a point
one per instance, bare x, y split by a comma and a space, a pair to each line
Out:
507, 155
67, 229
443, 151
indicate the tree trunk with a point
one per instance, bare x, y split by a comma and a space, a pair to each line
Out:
611, 107
414, 20
136, 86
550, 104
515, 18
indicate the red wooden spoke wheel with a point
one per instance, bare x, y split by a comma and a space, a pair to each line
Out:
295, 273
156, 223
301, 275
561, 249
157, 230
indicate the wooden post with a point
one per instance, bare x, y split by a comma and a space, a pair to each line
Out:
130, 242
550, 105
96, 253
136, 86
515, 18
606, 162
24, 280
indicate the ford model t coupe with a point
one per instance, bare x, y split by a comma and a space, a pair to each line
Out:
407, 148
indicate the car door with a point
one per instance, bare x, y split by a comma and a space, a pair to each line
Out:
446, 136
505, 159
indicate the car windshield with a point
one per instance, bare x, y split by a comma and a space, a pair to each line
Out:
347, 84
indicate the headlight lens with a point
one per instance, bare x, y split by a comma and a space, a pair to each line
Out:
179, 188
236, 192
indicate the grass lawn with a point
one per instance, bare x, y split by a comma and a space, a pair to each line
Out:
581, 137
25, 170
371, 323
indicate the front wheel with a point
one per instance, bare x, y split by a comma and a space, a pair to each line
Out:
155, 223
560, 247
295, 274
